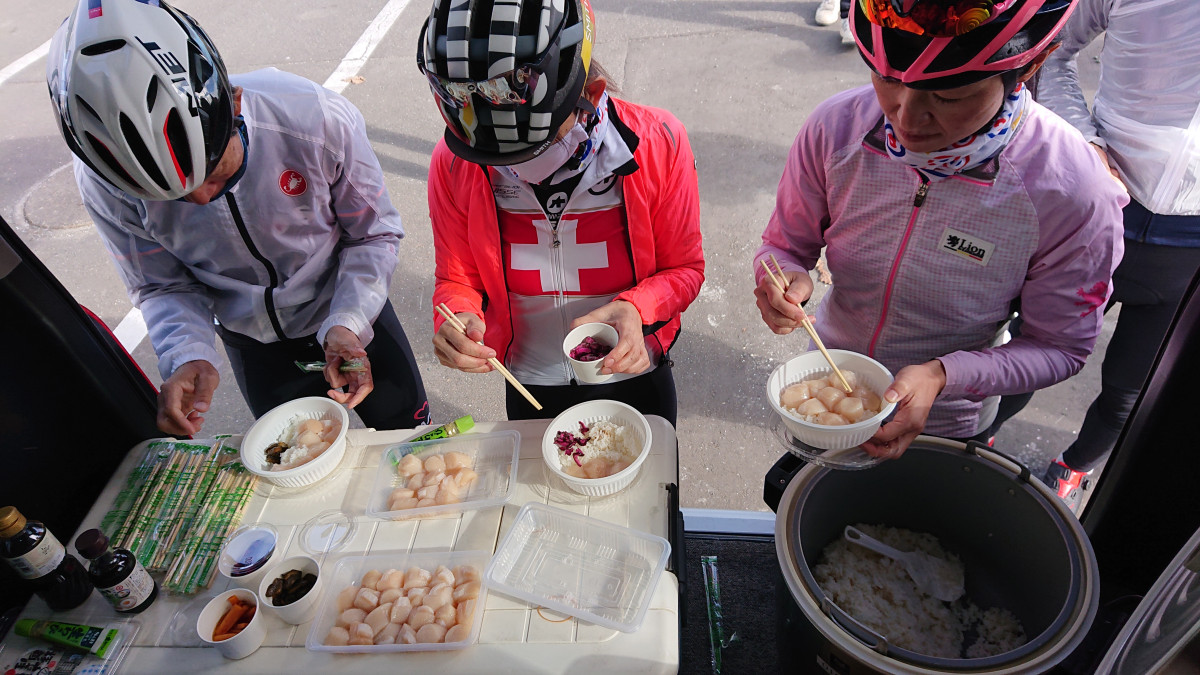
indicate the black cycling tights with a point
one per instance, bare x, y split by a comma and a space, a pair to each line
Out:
651, 394
267, 374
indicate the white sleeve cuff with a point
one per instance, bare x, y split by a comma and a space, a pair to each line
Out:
354, 322
169, 362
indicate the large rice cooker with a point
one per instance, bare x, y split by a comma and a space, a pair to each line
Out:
1022, 549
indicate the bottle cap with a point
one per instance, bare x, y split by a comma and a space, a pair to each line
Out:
91, 544
11, 521
464, 423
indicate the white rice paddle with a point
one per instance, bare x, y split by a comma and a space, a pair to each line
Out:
935, 576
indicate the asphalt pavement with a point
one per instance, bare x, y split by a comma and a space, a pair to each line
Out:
741, 75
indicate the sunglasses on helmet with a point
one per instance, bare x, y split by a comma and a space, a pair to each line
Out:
506, 90
933, 18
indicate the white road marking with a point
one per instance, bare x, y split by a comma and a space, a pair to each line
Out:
24, 62
357, 57
132, 329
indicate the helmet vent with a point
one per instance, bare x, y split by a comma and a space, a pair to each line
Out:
140, 152
90, 110
178, 141
110, 161
531, 24
102, 47
200, 69
73, 143
151, 95
480, 13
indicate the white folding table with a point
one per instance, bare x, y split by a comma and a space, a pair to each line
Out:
514, 637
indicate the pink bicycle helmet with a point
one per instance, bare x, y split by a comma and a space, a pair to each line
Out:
943, 44
505, 73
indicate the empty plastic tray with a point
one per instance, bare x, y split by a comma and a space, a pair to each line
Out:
597, 571
493, 458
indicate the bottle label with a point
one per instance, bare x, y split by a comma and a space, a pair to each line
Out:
42, 560
131, 592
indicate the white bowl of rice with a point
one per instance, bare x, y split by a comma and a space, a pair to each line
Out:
614, 437
313, 427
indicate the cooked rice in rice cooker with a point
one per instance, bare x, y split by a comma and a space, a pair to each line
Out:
878, 592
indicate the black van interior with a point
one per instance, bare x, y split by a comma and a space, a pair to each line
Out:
73, 402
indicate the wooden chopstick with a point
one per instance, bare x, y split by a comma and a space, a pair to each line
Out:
812, 332
445, 312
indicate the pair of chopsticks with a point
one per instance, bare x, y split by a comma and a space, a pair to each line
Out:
445, 312
812, 332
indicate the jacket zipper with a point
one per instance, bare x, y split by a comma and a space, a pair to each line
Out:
502, 355
918, 200
557, 265
272, 275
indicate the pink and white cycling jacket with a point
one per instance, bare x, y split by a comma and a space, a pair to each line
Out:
931, 272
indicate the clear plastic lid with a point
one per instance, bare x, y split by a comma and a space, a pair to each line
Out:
327, 532
247, 550
181, 630
491, 457
847, 459
581, 566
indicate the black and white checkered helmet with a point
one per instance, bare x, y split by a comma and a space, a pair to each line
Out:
506, 73
141, 94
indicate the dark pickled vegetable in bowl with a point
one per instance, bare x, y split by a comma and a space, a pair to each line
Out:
290, 587
275, 452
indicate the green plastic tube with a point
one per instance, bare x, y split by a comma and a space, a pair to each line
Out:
458, 426
101, 641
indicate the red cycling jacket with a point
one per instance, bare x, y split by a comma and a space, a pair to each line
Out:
662, 208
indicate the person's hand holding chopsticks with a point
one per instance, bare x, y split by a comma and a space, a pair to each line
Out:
782, 311
492, 363
463, 352
777, 280
629, 355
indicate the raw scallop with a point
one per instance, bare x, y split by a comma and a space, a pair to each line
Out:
337, 637
420, 617
431, 632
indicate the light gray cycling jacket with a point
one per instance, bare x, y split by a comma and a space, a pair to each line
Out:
1147, 107
306, 240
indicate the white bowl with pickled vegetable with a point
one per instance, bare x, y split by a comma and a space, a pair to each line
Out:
295, 424
867, 374
632, 442
291, 589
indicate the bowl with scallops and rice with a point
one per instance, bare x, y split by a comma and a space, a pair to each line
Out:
297, 443
815, 406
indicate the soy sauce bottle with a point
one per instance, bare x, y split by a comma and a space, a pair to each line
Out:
36, 554
117, 574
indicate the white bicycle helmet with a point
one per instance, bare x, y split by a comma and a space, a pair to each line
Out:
142, 95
